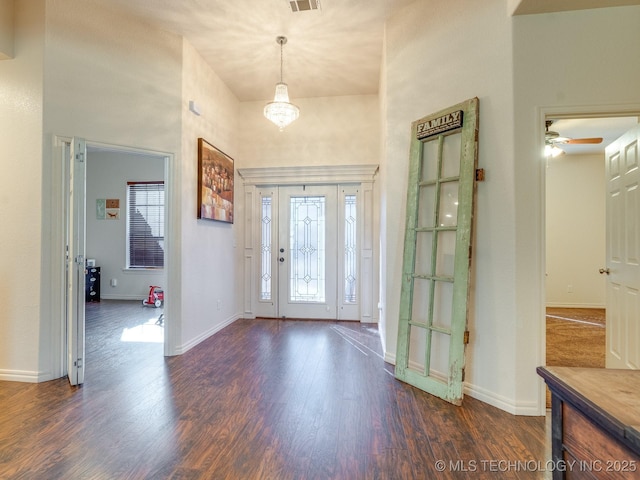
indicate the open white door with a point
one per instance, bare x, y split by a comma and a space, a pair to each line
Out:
623, 251
76, 236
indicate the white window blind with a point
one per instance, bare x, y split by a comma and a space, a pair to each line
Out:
145, 224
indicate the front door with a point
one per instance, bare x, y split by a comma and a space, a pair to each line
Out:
312, 252
307, 252
623, 251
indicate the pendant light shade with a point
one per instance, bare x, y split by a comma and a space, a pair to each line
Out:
281, 111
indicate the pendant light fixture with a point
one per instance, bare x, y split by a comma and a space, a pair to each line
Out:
280, 111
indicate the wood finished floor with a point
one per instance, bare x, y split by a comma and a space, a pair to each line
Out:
261, 399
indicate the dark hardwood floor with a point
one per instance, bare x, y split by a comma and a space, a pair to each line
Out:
262, 399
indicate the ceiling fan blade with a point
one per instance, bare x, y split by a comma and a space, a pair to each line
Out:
578, 141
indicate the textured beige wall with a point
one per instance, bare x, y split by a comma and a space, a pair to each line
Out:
111, 80
575, 231
210, 254
21, 107
107, 177
597, 77
438, 55
84, 70
330, 131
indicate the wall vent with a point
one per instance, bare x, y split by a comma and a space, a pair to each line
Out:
304, 5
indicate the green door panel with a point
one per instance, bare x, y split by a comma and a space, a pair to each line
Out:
437, 251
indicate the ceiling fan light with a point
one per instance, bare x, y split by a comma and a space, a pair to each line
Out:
552, 151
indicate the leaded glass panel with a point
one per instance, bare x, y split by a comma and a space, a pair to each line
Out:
350, 249
307, 247
265, 249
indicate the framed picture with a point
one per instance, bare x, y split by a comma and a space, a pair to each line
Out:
215, 183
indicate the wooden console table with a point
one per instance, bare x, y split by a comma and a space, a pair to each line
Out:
595, 422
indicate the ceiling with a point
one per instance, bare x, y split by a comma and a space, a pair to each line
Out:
333, 51
609, 129
526, 7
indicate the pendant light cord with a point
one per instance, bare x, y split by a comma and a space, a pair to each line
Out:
281, 60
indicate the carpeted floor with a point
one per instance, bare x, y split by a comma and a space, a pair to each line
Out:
595, 316
575, 338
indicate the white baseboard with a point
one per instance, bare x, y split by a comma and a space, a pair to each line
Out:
575, 305
37, 377
139, 298
390, 358
202, 337
508, 405
369, 320
24, 376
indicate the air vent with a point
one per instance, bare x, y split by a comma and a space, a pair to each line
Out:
304, 5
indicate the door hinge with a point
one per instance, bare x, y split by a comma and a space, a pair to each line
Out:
80, 157
480, 175
463, 372
466, 337
78, 363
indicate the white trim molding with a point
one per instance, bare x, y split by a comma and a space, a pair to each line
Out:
339, 175
309, 175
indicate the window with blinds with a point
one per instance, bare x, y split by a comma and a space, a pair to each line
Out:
145, 224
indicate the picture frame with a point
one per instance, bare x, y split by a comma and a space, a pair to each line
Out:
215, 183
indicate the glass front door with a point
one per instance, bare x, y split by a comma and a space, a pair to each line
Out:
307, 252
308, 243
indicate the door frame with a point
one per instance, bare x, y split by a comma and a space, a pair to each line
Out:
58, 244
314, 175
542, 114
76, 233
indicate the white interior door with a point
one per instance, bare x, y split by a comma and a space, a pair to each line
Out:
76, 235
623, 251
307, 252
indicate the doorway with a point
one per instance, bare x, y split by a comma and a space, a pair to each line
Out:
576, 240
309, 248
309, 242
104, 193
117, 178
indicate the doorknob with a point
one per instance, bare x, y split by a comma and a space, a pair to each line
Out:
604, 270
281, 259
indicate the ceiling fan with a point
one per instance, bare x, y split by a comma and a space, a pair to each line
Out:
553, 139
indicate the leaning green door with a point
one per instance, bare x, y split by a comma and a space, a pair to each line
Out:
437, 251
